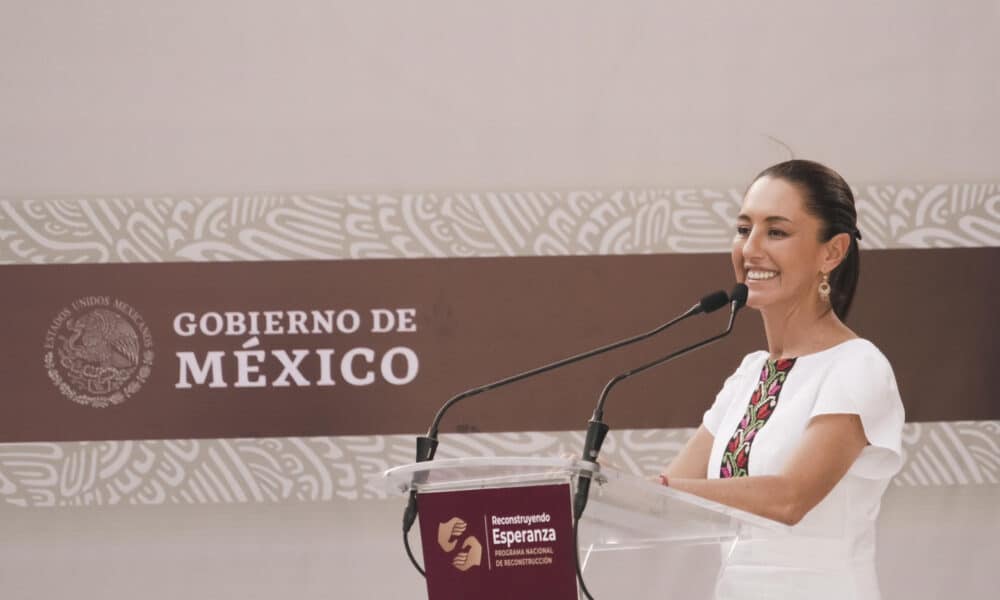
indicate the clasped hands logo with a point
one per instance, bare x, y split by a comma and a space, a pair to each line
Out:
471, 552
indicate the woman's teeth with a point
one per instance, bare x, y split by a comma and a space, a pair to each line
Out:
760, 275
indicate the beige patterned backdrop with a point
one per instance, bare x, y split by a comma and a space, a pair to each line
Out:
349, 468
411, 225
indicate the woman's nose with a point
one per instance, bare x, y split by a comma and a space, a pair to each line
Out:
751, 245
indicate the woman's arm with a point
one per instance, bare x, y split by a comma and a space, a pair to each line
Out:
829, 446
692, 462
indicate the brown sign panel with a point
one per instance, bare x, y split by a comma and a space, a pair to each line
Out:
499, 543
206, 350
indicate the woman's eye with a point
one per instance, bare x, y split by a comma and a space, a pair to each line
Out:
742, 230
777, 233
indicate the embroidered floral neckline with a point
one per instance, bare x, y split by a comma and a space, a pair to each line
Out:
736, 457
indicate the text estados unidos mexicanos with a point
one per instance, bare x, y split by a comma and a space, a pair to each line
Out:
509, 537
358, 366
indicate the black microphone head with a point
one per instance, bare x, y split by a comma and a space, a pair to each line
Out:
714, 301
739, 295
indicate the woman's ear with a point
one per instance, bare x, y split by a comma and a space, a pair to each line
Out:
835, 250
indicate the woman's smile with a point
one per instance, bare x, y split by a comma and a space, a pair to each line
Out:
759, 275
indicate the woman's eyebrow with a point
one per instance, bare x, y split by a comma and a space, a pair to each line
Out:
771, 219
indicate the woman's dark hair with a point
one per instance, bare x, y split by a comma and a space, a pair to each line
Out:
828, 198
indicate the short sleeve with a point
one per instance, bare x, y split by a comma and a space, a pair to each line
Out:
863, 383
732, 387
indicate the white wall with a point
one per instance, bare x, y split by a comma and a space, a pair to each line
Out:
196, 96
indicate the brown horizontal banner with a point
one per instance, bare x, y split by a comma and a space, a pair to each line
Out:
211, 350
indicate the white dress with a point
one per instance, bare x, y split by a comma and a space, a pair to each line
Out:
830, 553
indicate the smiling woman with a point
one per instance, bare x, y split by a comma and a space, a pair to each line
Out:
808, 432
812, 207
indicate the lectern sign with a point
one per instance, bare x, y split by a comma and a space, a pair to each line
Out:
499, 543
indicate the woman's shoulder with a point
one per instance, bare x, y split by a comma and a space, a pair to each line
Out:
853, 350
857, 360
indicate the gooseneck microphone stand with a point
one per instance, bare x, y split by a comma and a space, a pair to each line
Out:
427, 444
597, 429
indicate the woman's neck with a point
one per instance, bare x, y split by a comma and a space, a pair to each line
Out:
799, 329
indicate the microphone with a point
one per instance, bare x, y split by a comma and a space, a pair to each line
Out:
597, 430
427, 445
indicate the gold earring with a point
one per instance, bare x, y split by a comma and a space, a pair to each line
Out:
824, 288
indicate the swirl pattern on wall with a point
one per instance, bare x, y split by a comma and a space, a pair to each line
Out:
416, 225
350, 468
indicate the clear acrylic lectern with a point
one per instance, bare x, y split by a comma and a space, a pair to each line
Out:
637, 539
